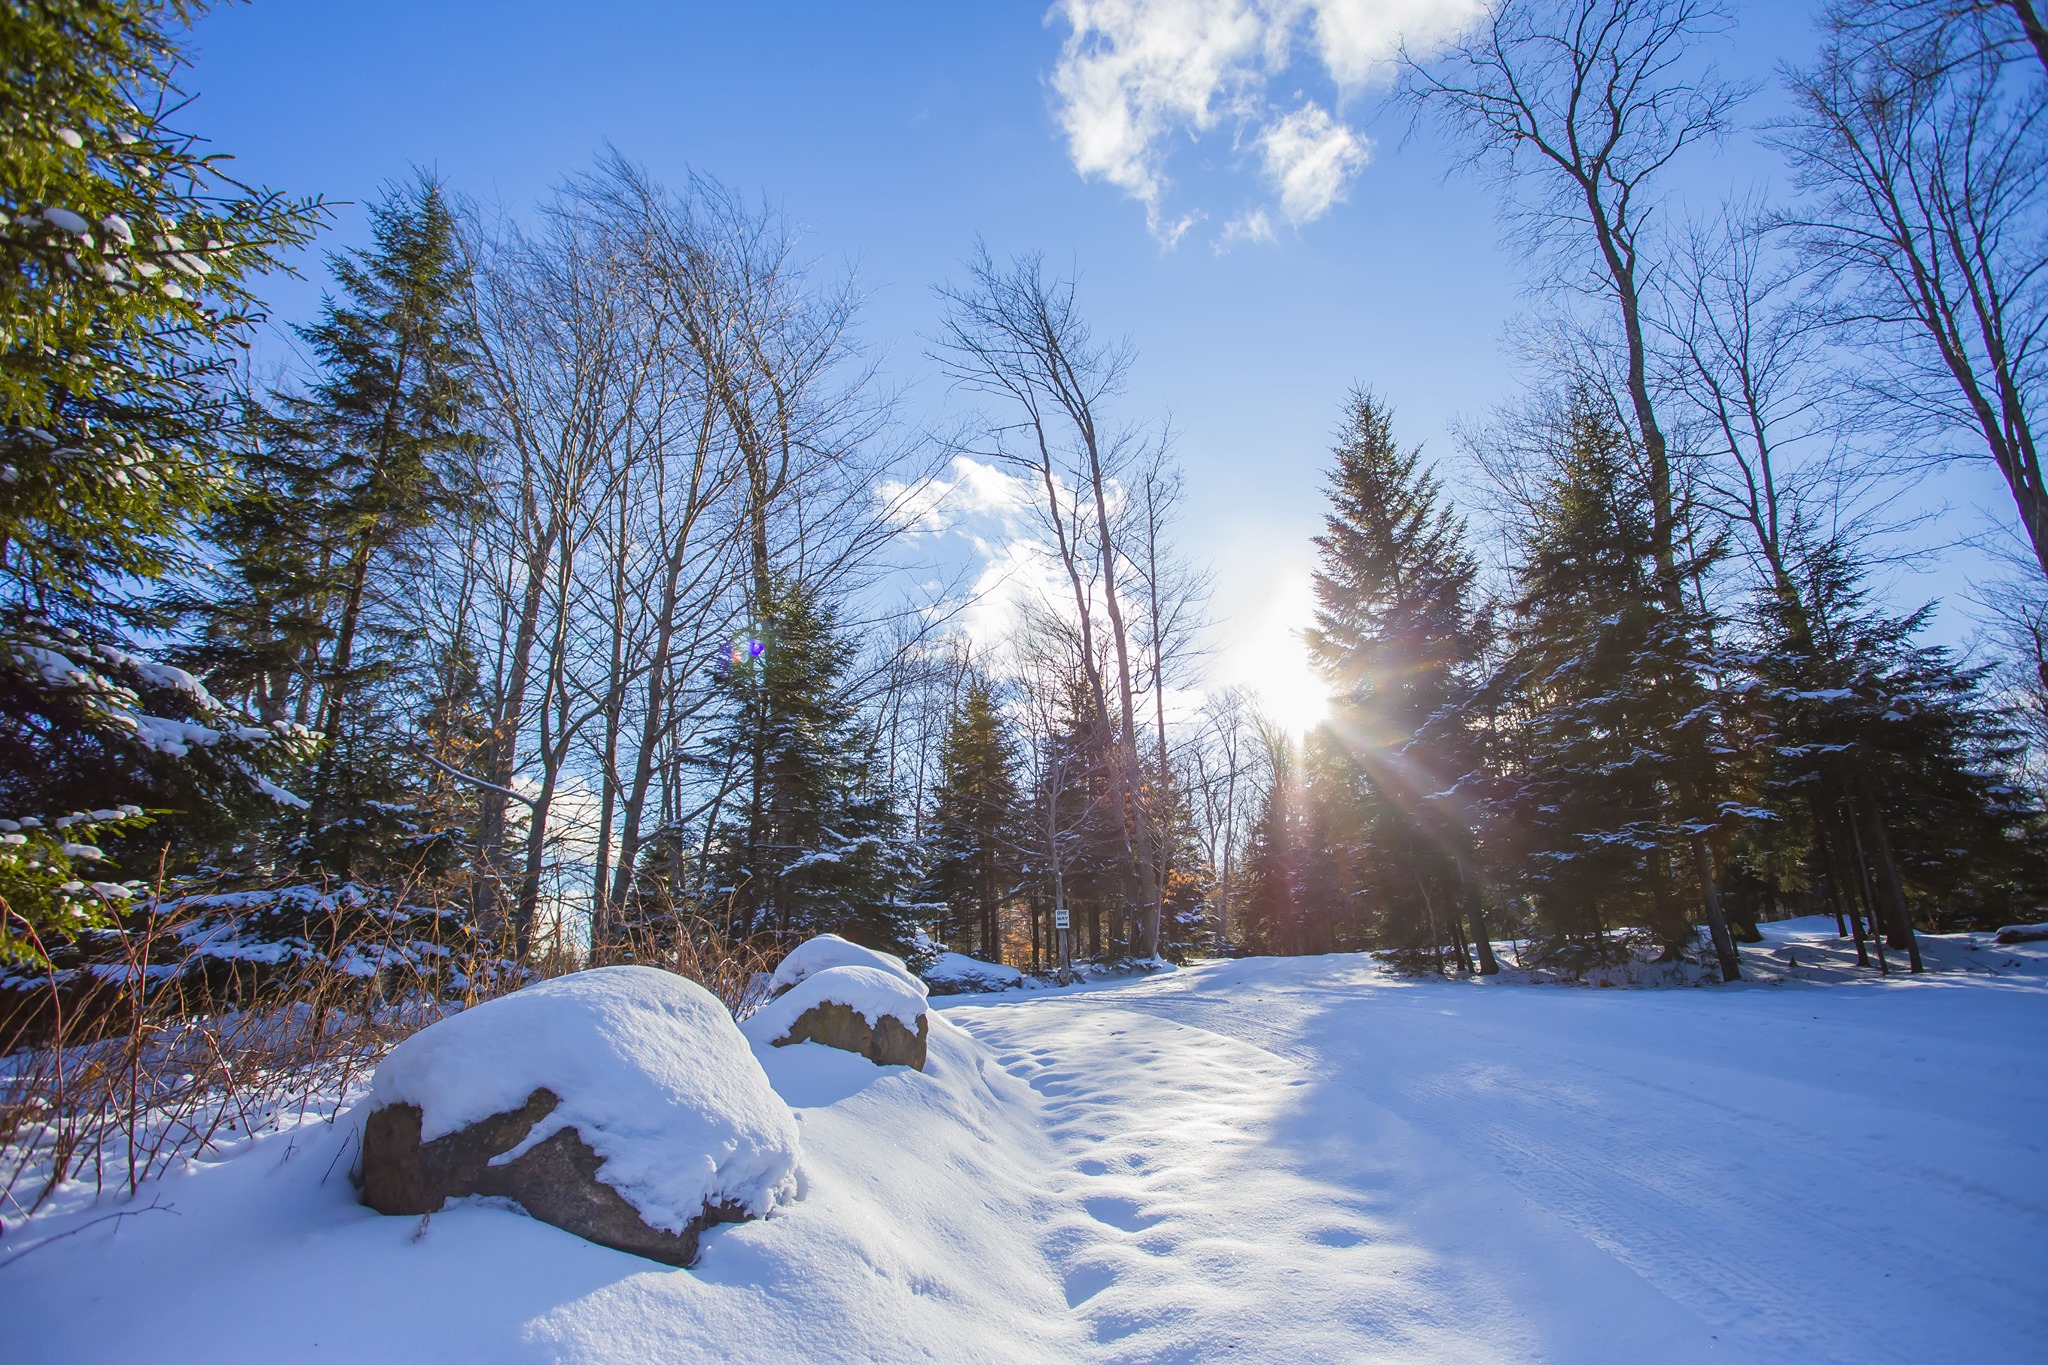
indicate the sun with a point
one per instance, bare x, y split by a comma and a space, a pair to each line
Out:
1270, 659
1294, 697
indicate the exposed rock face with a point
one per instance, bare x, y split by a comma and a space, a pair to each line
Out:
555, 1180
885, 1043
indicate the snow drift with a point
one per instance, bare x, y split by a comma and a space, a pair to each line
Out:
959, 974
827, 951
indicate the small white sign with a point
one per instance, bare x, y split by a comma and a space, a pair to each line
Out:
1059, 919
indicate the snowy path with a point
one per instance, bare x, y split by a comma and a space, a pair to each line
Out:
1463, 1170
1226, 1201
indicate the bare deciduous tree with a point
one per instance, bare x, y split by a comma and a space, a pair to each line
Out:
1926, 218
1017, 336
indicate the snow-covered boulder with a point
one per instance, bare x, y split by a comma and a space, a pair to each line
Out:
827, 951
959, 974
2022, 933
856, 1009
621, 1104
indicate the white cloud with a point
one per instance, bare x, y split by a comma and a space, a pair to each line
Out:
974, 488
1357, 40
1253, 225
1137, 76
1310, 158
1134, 72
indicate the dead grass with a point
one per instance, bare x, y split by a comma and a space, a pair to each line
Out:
160, 1055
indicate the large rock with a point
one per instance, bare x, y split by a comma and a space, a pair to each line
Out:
855, 1009
555, 1180
621, 1104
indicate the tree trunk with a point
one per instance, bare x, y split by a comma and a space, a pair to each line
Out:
1475, 911
502, 747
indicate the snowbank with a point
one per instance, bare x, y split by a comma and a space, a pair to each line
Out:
959, 974
920, 1235
650, 1069
872, 994
827, 951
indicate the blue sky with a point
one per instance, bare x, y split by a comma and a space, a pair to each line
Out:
897, 132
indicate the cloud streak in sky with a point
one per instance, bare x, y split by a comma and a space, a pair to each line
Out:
1136, 78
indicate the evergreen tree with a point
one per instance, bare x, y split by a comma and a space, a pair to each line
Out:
817, 846
375, 435
1270, 914
125, 264
1397, 635
1884, 756
1600, 677
1077, 856
973, 861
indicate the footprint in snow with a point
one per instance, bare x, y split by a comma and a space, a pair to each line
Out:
1117, 1212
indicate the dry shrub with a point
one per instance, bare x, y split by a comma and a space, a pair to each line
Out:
736, 970
156, 1056
169, 1049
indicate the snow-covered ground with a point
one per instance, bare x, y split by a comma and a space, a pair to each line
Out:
1285, 1160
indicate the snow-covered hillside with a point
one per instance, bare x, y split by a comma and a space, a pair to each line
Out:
1289, 1160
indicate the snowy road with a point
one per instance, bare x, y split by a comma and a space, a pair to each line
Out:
1303, 1160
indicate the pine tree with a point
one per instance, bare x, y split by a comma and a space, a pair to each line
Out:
378, 431
818, 846
973, 859
1397, 635
1077, 856
1269, 918
125, 262
125, 265
1885, 758
1600, 677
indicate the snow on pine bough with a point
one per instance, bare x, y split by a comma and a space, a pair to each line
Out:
621, 1104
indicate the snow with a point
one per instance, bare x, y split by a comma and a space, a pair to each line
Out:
277, 793
956, 972
1262, 1159
829, 950
650, 1071
871, 993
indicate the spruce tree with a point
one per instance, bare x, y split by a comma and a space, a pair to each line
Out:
1398, 635
817, 847
379, 432
1600, 679
1269, 916
973, 859
1885, 756
126, 260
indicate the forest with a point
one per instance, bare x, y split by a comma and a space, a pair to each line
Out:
567, 598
